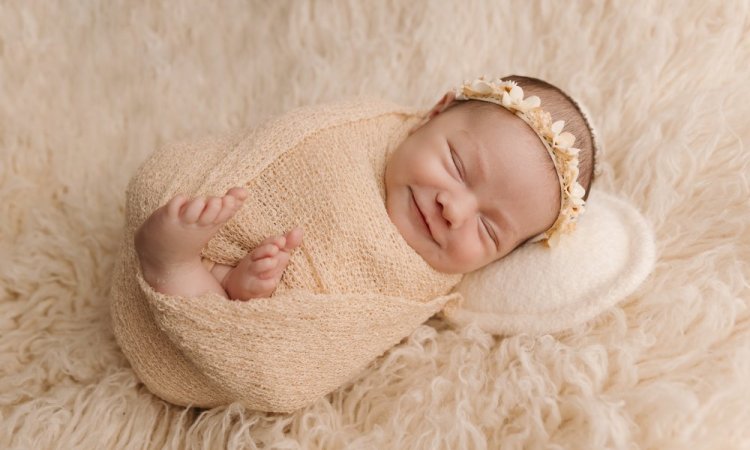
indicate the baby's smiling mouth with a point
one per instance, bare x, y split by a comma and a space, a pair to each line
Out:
424, 218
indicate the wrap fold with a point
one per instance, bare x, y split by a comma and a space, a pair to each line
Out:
250, 366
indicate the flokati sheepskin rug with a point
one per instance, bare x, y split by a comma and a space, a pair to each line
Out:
89, 89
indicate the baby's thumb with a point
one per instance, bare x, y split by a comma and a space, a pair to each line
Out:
293, 238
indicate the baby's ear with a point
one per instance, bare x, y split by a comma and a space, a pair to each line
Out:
442, 104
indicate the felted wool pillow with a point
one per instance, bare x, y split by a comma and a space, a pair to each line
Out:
540, 290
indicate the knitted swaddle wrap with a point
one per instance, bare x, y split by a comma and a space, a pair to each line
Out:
352, 290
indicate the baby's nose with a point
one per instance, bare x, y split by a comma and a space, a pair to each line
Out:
457, 210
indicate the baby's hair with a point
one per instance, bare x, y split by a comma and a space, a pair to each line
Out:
561, 107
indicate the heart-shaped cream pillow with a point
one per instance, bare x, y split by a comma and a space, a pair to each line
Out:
539, 290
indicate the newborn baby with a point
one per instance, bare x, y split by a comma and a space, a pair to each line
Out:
469, 184
395, 204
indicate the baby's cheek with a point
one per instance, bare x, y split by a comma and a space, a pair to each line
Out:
466, 252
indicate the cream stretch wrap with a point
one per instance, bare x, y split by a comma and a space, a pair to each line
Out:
352, 290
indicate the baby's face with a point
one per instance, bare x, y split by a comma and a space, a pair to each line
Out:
479, 179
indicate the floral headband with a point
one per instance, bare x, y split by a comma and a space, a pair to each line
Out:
559, 145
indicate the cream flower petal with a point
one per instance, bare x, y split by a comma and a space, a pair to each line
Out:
574, 172
508, 85
516, 93
521, 107
506, 101
576, 204
533, 102
558, 126
481, 87
578, 190
553, 240
565, 140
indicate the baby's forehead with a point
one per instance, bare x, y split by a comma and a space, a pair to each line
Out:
496, 127
487, 117
509, 149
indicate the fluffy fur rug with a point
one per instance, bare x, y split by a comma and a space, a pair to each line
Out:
88, 89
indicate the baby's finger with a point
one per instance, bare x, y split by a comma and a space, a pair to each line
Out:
227, 210
267, 275
192, 209
174, 205
293, 239
281, 260
274, 239
207, 217
238, 192
265, 251
264, 264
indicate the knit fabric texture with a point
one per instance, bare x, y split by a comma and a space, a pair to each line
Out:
352, 290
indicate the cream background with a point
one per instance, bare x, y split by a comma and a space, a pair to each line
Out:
88, 89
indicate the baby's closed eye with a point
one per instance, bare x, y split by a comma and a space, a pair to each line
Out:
457, 164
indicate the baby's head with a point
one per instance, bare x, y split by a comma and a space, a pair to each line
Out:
482, 178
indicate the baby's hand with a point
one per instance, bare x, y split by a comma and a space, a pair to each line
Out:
258, 274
